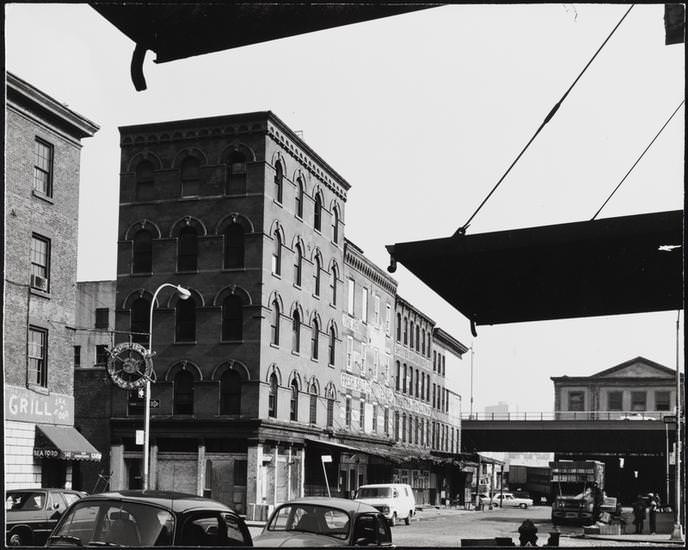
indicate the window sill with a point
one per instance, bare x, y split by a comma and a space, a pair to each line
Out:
331, 365
142, 274
318, 231
278, 203
42, 196
296, 353
276, 275
186, 343
316, 296
274, 346
314, 360
41, 293
233, 269
297, 286
38, 389
186, 271
231, 341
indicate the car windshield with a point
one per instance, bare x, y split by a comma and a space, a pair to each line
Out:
311, 518
24, 501
374, 492
114, 523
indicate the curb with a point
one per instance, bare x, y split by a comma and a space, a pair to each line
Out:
628, 540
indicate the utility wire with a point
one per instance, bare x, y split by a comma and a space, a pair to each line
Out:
462, 229
638, 160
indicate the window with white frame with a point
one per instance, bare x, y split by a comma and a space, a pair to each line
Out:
351, 297
364, 304
38, 356
349, 351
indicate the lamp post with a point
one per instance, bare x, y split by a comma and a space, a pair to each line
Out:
677, 533
184, 295
471, 413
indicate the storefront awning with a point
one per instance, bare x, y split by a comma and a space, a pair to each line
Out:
629, 264
63, 442
365, 448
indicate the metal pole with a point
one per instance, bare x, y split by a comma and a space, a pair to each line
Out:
471, 415
666, 454
678, 529
327, 483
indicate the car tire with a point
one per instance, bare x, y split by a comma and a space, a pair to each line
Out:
393, 520
407, 521
21, 537
523, 505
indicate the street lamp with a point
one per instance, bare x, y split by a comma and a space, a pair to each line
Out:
677, 533
184, 294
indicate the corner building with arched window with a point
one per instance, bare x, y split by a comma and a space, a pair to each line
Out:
241, 212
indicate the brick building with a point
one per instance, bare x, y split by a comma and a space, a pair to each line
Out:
284, 351
42, 154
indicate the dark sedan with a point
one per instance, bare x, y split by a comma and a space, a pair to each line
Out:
321, 521
33, 513
149, 518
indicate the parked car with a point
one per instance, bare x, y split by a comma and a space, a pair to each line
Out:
150, 518
33, 513
323, 521
510, 500
395, 501
637, 416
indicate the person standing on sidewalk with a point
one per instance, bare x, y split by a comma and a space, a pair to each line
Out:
638, 514
653, 514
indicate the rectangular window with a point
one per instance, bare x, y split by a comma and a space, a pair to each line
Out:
375, 418
361, 418
576, 401
349, 351
638, 401
347, 412
102, 355
397, 383
43, 167
330, 412
615, 401
77, 357
403, 387
388, 320
385, 421
38, 356
102, 317
364, 304
376, 362
351, 297
662, 401
376, 310
40, 262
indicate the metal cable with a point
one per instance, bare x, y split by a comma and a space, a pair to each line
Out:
638, 159
462, 229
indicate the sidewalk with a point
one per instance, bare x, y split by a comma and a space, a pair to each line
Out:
657, 539
430, 512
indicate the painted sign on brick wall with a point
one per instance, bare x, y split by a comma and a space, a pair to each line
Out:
27, 406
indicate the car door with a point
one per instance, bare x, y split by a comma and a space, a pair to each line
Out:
214, 528
365, 532
384, 533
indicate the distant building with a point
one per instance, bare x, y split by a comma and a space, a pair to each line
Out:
498, 411
42, 161
635, 387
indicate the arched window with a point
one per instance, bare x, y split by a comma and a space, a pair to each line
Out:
183, 392
145, 190
298, 264
232, 318
422, 346
185, 325
296, 331
236, 174
331, 346
277, 253
298, 207
428, 348
333, 285
187, 250
230, 392
138, 321
335, 225
398, 381
234, 246
191, 172
396, 425
405, 331
317, 213
410, 381
398, 327
330, 409
411, 336
417, 338
294, 401
403, 428
315, 339
316, 275
142, 261
275, 326
313, 408
279, 181
272, 396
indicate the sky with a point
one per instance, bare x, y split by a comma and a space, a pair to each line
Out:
421, 113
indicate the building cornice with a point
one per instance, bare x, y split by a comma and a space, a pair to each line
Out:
406, 304
354, 258
449, 341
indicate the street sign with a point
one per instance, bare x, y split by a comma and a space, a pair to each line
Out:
326, 458
139, 437
154, 403
670, 419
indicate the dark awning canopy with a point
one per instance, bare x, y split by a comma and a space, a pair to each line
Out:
629, 264
175, 31
63, 442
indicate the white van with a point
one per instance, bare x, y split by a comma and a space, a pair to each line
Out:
394, 500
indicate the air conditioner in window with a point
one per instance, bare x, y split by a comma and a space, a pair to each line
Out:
39, 283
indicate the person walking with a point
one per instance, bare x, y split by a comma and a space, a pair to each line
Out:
653, 513
638, 515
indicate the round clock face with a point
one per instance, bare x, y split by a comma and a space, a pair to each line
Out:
129, 365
